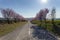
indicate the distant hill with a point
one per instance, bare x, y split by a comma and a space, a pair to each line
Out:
33, 18
28, 18
57, 18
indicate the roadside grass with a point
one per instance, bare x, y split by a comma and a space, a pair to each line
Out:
48, 23
49, 26
6, 28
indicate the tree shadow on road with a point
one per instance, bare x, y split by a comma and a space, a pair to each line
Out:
41, 33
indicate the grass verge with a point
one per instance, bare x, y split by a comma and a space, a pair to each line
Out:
6, 28
49, 26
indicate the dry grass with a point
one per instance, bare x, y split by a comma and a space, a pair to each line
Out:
6, 28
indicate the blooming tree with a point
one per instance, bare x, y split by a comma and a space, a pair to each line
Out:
42, 14
11, 15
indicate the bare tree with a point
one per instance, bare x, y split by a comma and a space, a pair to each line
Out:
53, 18
53, 14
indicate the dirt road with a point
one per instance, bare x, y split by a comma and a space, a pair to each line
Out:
28, 33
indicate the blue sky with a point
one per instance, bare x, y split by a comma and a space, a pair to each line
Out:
29, 8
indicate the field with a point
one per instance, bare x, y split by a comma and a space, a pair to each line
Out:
6, 28
53, 28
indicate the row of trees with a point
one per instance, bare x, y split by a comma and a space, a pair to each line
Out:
11, 15
41, 15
